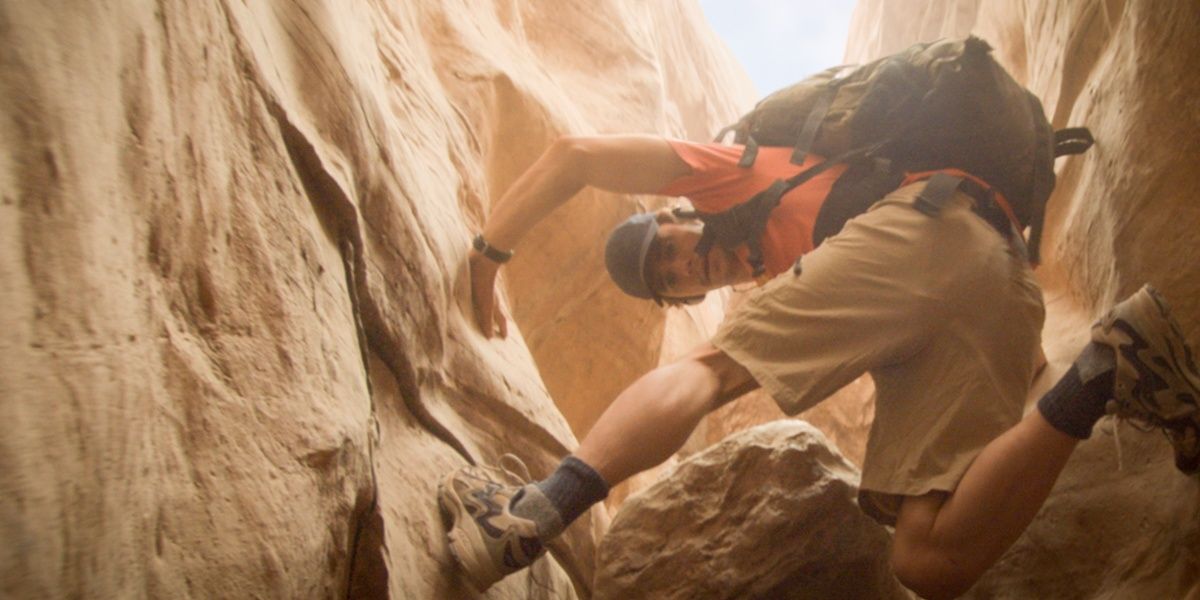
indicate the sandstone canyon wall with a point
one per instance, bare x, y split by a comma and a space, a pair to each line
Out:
235, 356
236, 352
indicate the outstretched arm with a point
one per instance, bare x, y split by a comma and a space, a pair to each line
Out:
625, 164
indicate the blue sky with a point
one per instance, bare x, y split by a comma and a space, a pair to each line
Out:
781, 41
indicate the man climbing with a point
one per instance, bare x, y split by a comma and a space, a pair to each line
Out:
939, 306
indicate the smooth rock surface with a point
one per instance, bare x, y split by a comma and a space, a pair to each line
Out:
200, 202
767, 513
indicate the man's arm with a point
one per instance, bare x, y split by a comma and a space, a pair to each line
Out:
624, 164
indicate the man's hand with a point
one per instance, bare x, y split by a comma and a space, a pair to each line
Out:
488, 314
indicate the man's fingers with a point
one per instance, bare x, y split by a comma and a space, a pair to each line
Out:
482, 321
485, 301
484, 311
481, 303
501, 321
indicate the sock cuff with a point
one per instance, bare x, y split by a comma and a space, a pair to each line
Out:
573, 488
586, 474
1056, 407
1075, 404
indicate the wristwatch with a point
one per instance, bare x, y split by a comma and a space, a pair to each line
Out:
492, 253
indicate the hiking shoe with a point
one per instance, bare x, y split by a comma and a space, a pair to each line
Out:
1157, 382
487, 540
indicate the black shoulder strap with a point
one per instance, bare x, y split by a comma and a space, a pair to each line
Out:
1069, 141
746, 222
749, 154
864, 183
812, 125
741, 224
1072, 140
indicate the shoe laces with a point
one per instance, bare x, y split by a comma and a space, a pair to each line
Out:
513, 466
1120, 419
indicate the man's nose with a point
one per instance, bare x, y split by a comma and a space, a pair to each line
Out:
681, 266
692, 264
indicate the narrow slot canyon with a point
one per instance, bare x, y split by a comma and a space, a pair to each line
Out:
240, 353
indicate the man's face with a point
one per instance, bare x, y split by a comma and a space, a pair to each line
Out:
674, 270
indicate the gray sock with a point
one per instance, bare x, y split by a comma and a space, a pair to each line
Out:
1078, 400
556, 501
532, 504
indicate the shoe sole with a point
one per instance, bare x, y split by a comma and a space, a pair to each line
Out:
463, 540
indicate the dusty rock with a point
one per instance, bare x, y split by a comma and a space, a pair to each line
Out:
767, 513
201, 201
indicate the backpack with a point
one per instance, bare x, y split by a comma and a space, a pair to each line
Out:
938, 105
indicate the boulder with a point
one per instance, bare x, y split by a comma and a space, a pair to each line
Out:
769, 512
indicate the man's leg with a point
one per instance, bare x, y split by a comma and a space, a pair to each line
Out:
945, 542
500, 529
651, 420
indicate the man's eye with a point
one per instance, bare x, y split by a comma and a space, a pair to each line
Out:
669, 250
669, 281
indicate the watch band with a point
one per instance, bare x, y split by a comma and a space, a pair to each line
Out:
491, 252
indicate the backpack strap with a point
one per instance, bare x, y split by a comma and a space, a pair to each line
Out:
750, 153
741, 224
1069, 141
746, 222
1072, 140
812, 124
988, 205
937, 193
720, 137
864, 182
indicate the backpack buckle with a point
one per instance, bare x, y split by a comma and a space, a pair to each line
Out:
937, 193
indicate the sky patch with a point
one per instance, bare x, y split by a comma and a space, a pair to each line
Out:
780, 42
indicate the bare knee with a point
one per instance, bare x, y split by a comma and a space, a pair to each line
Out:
925, 561
931, 574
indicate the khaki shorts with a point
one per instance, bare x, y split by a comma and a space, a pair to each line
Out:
941, 311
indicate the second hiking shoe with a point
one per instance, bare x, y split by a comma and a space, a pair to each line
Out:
1157, 382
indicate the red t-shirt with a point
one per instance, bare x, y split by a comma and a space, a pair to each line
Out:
717, 183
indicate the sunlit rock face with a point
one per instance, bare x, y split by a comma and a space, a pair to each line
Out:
236, 357
769, 512
1122, 522
236, 351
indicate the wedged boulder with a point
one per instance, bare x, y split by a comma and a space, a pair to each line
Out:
767, 513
